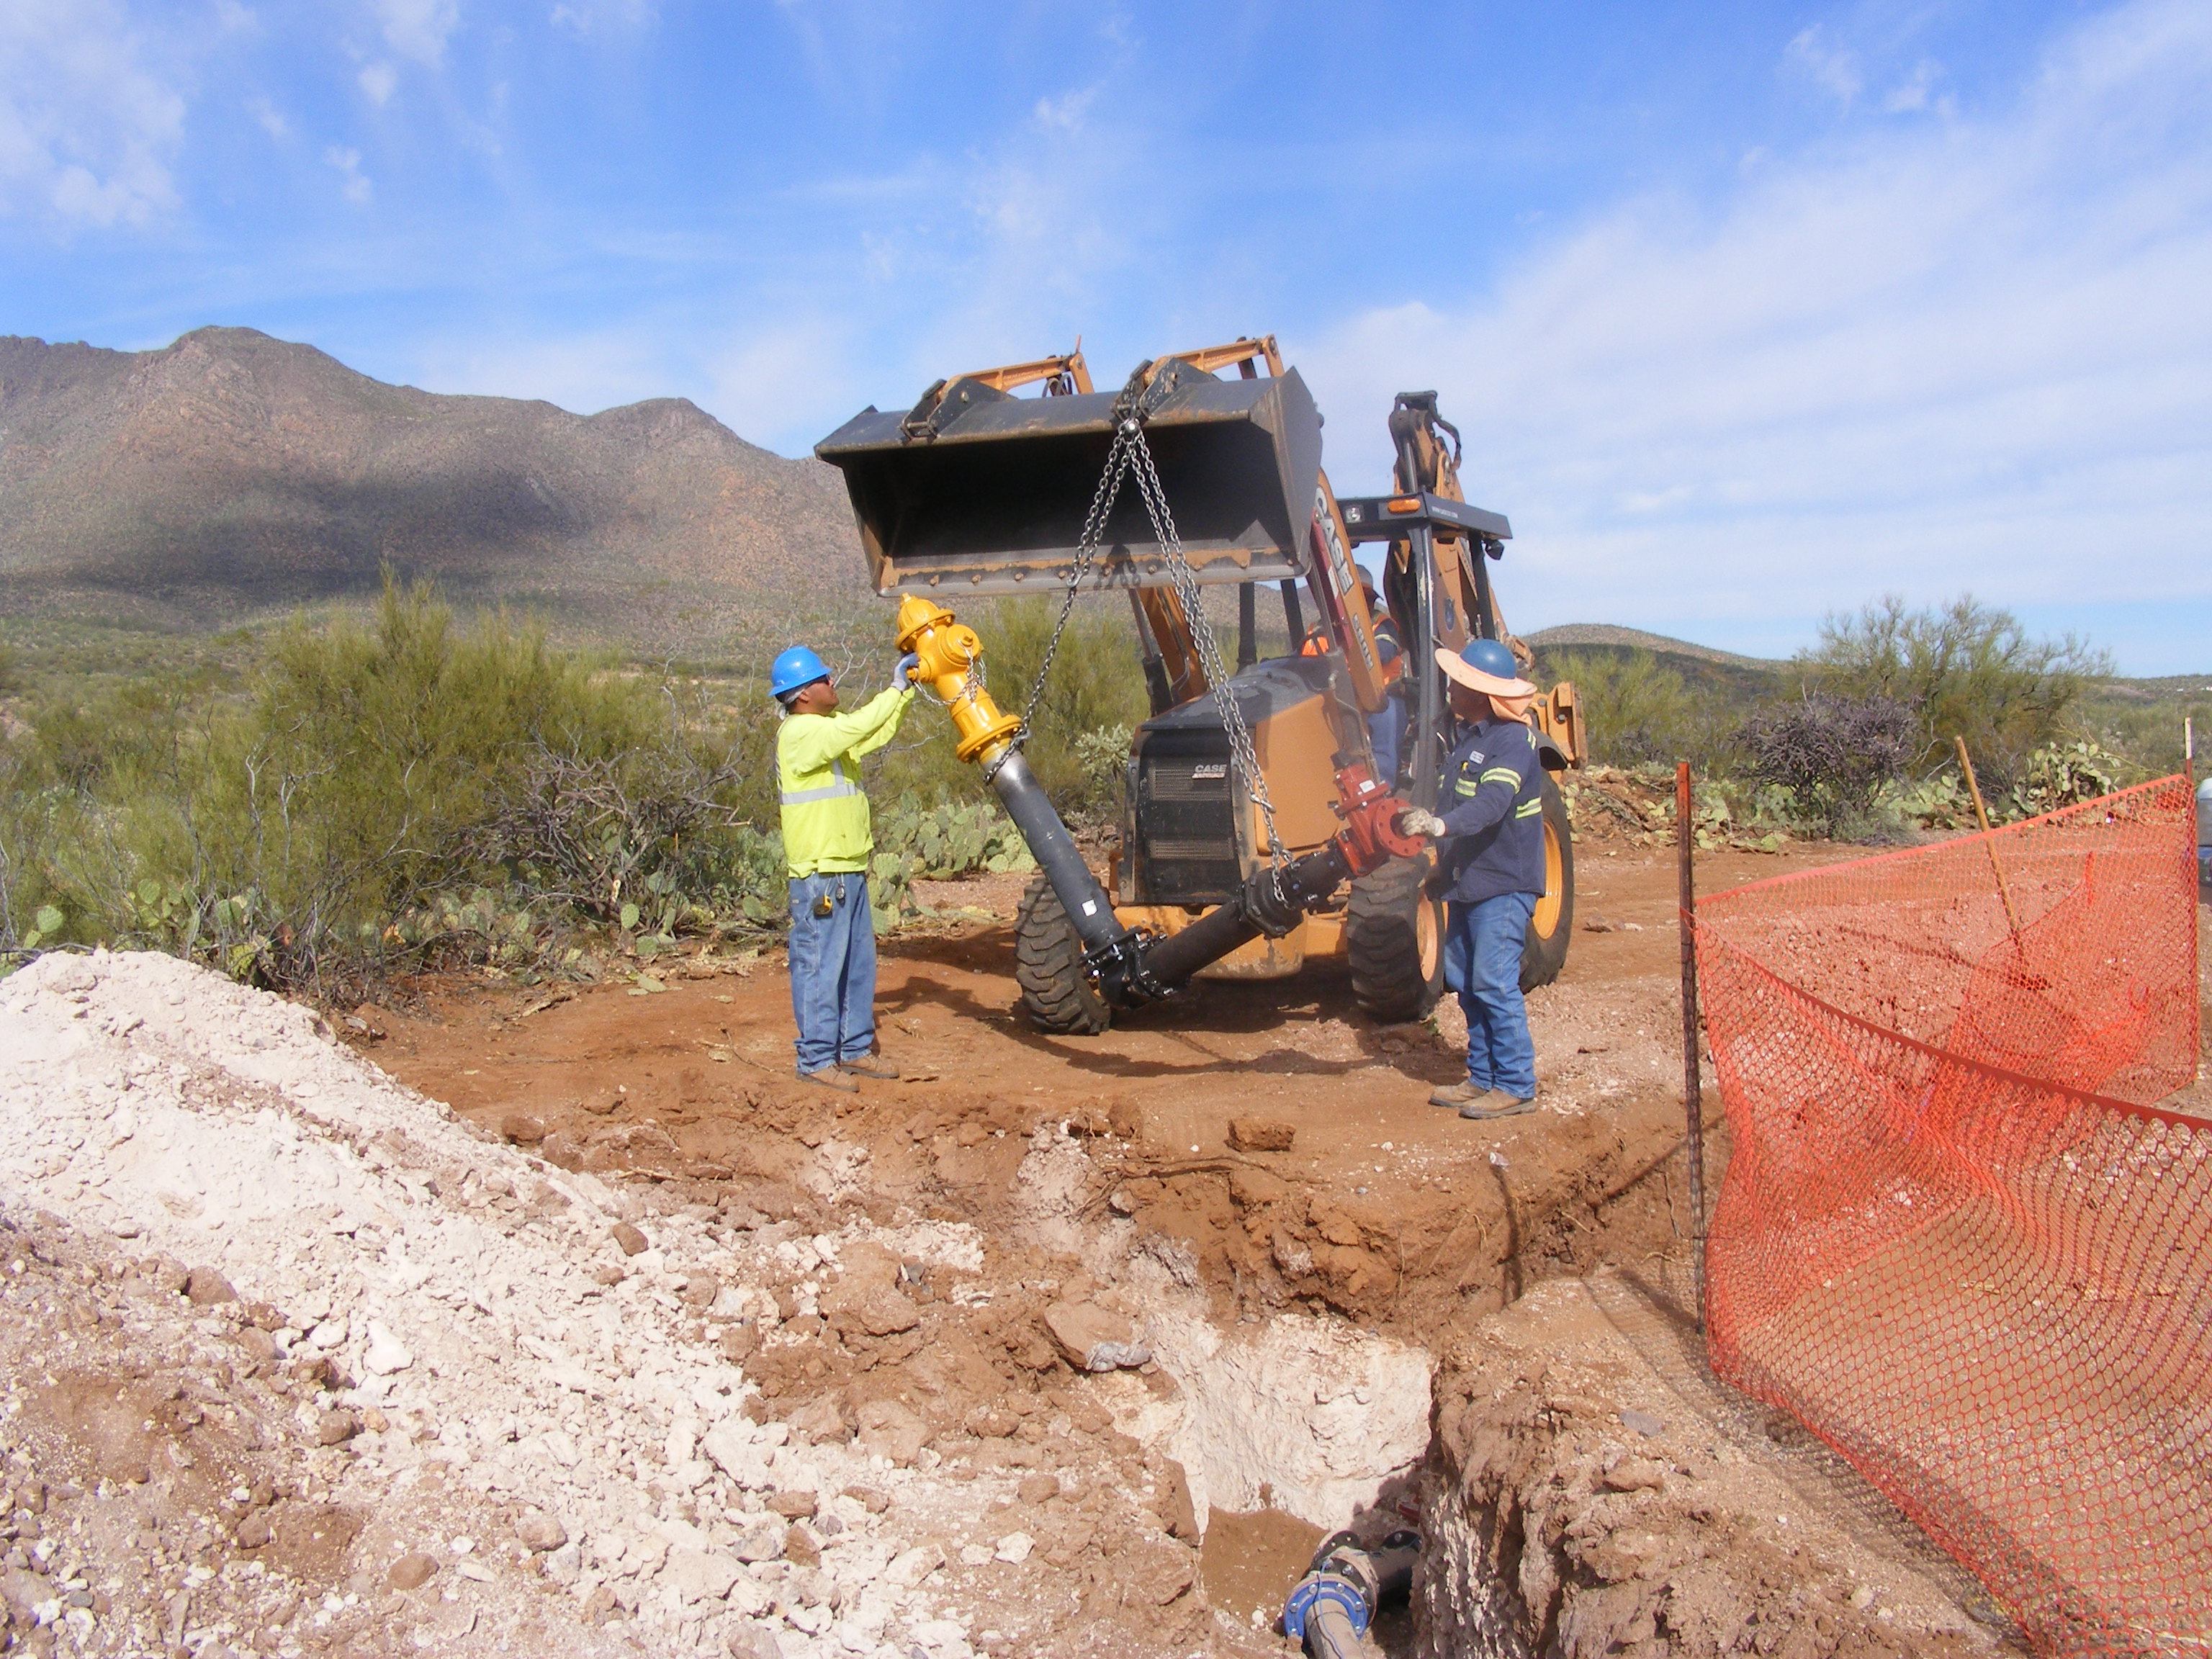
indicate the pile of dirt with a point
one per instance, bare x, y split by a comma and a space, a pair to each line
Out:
316, 1367
1590, 1494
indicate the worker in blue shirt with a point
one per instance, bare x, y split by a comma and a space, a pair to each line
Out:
1489, 847
1386, 726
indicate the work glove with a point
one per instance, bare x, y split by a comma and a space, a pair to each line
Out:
1415, 822
907, 665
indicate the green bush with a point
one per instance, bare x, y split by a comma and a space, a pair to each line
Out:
1638, 711
1966, 670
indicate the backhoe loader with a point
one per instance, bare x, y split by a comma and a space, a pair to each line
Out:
1256, 836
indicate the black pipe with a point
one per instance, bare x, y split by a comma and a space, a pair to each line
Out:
1248, 627
1428, 678
1055, 850
1262, 906
1294, 618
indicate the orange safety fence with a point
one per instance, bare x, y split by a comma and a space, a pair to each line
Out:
1959, 1239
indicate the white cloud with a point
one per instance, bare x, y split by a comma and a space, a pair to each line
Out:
379, 80
357, 188
90, 116
586, 18
418, 28
1918, 91
1973, 353
1833, 68
270, 118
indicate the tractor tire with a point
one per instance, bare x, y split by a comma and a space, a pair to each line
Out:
1393, 936
1049, 967
1545, 952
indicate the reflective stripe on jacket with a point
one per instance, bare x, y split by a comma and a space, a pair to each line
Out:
817, 761
1493, 812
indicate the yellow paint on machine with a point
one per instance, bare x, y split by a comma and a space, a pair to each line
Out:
1258, 958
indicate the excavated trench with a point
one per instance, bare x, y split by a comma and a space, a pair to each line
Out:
1357, 1310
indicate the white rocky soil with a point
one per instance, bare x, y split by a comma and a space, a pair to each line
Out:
296, 1361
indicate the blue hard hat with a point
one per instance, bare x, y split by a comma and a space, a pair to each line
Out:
794, 668
1489, 657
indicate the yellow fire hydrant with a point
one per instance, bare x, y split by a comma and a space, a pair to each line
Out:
948, 649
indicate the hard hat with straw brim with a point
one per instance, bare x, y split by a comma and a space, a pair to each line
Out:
1485, 665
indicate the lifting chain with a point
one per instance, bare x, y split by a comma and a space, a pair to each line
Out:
1131, 453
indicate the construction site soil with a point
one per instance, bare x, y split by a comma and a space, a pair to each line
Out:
596, 1331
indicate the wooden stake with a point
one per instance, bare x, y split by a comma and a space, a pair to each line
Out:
1981, 817
1693, 1103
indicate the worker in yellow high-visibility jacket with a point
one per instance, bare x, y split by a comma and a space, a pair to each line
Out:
827, 843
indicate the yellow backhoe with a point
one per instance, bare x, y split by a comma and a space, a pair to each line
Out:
1257, 836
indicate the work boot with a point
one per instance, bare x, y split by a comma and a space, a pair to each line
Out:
1458, 1096
871, 1065
829, 1078
1498, 1103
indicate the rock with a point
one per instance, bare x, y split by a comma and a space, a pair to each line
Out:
1635, 1475
891, 1430
1643, 1422
385, 1353
910, 1567
608, 1274
1127, 1119
253, 1531
410, 1572
205, 1286
259, 1345
1157, 1573
735, 1450
522, 1129
1041, 1488
869, 1499
540, 1532
633, 1242
1260, 1134
699, 1574
699, 1288
878, 1309
1014, 1548
818, 1420
1178, 1518
1092, 1339
737, 1341
335, 1428
751, 1641
799, 1546
565, 1564
792, 1505
761, 1541
990, 1423
24, 1591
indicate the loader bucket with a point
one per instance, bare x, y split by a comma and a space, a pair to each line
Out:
990, 494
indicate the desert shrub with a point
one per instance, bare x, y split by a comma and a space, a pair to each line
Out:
1096, 684
2064, 775
1964, 670
1639, 711
1830, 753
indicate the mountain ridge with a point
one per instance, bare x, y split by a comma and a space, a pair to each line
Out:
232, 474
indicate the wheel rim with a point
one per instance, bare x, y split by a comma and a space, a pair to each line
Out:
1428, 939
1546, 922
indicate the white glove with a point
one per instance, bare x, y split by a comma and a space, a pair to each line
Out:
907, 665
1416, 822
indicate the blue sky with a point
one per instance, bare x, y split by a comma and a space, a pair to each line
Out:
1748, 311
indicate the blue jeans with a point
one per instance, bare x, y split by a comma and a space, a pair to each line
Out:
1384, 729
833, 969
1482, 962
